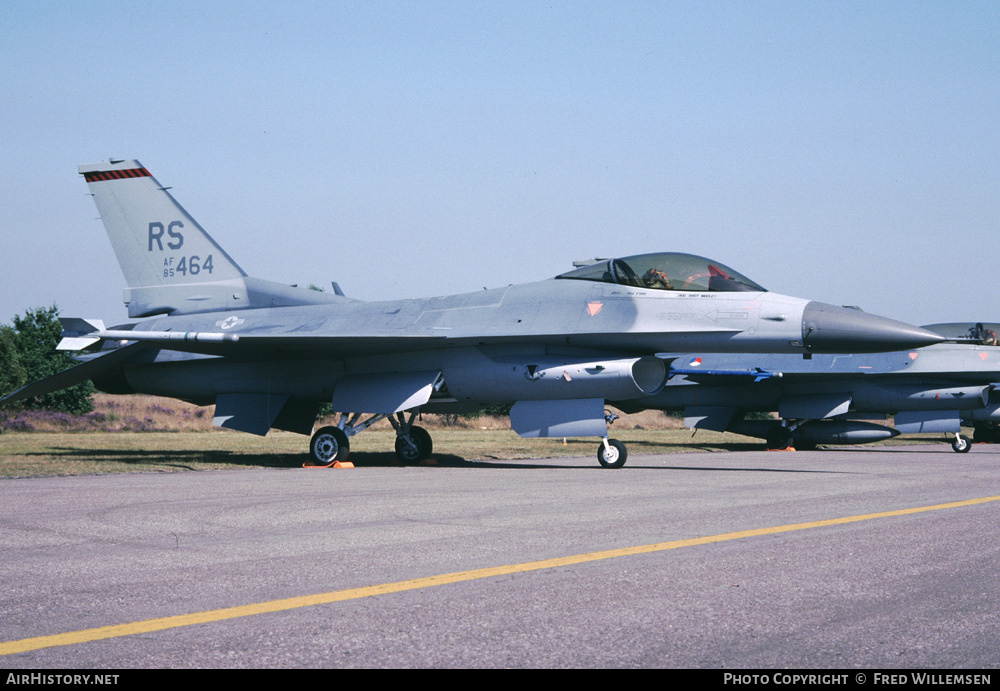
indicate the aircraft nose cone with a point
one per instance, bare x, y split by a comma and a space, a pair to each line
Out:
832, 329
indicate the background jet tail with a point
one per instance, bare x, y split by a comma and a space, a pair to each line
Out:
171, 264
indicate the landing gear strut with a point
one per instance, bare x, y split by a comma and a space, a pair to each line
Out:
986, 433
779, 439
611, 453
330, 444
961, 444
412, 443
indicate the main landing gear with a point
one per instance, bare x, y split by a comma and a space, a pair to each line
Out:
986, 433
779, 439
413, 444
331, 444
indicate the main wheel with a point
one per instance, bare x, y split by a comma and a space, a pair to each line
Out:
612, 456
329, 444
961, 444
418, 447
985, 434
778, 439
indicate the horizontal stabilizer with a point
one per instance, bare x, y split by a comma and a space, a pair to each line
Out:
74, 375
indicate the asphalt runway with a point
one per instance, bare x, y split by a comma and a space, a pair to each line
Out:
349, 568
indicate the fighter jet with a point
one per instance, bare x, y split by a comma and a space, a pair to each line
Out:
830, 399
267, 354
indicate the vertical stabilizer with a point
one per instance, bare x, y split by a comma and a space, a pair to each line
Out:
171, 265
156, 241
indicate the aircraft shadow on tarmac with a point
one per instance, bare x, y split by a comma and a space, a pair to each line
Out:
174, 458
186, 460
931, 447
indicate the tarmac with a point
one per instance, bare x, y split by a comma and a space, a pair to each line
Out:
858, 558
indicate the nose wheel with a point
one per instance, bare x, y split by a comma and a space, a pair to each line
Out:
961, 444
611, 453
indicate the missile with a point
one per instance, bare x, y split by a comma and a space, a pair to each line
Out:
819, 431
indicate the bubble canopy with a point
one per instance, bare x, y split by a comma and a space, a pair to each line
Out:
667, 271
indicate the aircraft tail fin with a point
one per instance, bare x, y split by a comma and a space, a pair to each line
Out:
171, 264
155, 239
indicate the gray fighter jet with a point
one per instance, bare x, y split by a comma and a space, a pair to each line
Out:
826, 399
268, 354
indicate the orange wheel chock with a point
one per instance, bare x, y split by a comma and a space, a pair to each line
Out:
335, 464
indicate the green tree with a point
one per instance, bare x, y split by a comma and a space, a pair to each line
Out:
12, 374
33, 339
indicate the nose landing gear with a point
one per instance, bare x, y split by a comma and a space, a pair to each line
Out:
611, 453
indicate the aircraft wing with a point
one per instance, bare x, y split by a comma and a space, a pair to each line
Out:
258, 344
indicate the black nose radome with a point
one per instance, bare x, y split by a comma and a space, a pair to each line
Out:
832, 329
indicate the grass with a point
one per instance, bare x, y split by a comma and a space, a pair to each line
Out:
151, 434
96, 453
141, 413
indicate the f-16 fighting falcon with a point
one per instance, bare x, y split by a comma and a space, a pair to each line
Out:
267, 354
830, 399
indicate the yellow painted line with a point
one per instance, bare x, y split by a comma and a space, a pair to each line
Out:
150, 625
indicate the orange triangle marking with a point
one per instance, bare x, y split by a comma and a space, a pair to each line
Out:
594, 307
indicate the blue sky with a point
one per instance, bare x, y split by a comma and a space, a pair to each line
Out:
844, 152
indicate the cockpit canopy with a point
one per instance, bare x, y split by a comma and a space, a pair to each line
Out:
667, 271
